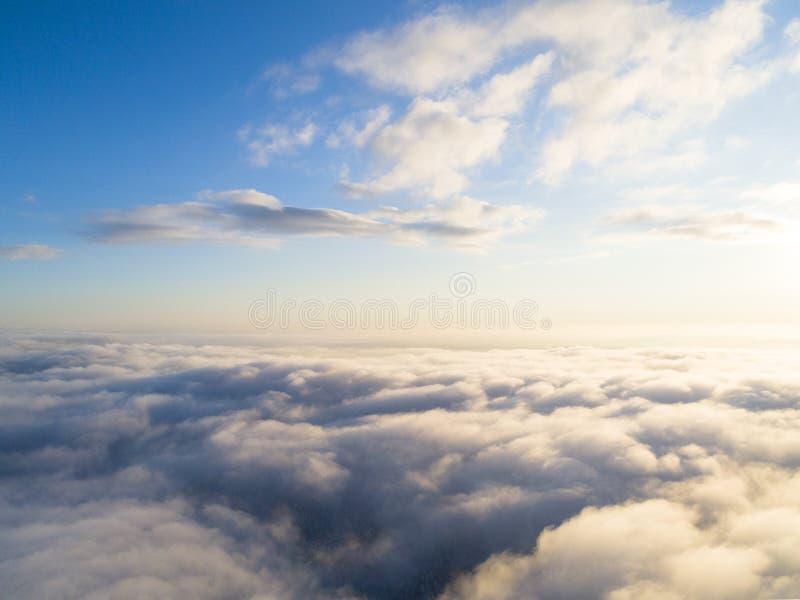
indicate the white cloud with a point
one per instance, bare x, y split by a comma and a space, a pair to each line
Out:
668, 73
631, 86
252, 218
676, 159
469, 223
29, 252
766, 213
128, 549
423, 56
265, 142
792, 31
711, 225
383, 472
782, 195
651, 549
631, 77
428, 148
350, 133
505, 93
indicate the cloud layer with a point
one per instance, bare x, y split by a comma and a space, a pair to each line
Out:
133, 468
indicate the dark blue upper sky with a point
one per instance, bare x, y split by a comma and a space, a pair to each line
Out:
103, 103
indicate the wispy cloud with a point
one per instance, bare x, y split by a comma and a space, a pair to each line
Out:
349, 132
630, 77
29, 252
285, 80
792, 34
249, 217
759, 213
270, 140
782, 195
428, 149
719, 226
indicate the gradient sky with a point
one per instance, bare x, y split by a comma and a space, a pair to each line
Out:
625, 164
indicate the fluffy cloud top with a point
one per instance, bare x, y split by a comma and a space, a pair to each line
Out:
131, 468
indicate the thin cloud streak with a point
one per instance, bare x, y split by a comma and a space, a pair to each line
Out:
249, 217
29, 252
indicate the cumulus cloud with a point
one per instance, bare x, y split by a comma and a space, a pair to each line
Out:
249, 217
425, 55
631, 79
29, 252
135, 549
133, 468
428, 148
651, 549
661, 74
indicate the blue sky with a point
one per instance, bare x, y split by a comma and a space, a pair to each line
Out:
639, 169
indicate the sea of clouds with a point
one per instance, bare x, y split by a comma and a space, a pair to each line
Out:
135, 469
